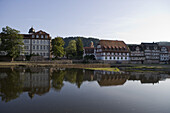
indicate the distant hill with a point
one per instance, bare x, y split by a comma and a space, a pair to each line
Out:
86, 41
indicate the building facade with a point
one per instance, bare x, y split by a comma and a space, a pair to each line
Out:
88, 51
37, 43
136, 54
164, 55
112, 50
152, 53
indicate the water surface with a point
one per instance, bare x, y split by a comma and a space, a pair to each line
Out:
52, 90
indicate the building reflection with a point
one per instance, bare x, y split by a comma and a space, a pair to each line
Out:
35, 81
107, 78
38, 80
148, 77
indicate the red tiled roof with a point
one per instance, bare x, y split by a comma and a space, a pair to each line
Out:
113, 44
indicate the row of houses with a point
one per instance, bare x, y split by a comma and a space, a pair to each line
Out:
118, 51
39, 43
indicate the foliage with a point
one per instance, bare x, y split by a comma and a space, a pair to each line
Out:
89, 57
28, 57
58, 47
11, 86
79, 46
57, 79
86, 41
12, 42
71, 49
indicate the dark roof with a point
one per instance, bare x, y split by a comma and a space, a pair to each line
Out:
133, 47
150, 45
41, 32
164, 43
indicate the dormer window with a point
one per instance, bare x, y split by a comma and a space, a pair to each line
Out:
137, 48
37, 36
46, 36
33, 36
147, 47
42, 36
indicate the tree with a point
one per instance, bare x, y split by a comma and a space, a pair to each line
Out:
58, 47
71, 49
79, 46
12, 42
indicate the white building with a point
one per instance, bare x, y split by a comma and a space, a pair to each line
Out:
112, 50
37, 43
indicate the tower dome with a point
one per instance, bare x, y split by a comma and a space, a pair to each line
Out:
31, 30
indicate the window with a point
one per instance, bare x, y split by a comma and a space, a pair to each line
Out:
41, 47
110, 57
46, 36
147, 47
33, 36
37, 41
37, 36
26, 41
33, 47
33, 41
37, 47
44, 47
42, 36
106, 57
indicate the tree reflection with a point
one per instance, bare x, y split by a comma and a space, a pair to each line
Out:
10, 85
57, 79
79, 78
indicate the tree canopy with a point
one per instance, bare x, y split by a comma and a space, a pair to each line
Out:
12, 42
71, 49
79, 45
86, 41
58, 47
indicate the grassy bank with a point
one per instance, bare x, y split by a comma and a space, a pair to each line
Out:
105, 69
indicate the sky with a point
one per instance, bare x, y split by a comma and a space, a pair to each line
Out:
133, 21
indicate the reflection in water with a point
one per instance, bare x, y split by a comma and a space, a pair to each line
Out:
39, 80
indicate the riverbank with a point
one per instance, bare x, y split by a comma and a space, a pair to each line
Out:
122, 67
53, 64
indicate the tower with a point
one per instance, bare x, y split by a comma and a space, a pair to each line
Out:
31, 30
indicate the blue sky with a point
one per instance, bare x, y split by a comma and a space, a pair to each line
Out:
133, 21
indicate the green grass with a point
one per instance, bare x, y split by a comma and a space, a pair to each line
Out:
105, 69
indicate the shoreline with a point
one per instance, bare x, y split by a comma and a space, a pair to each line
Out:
122, 67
